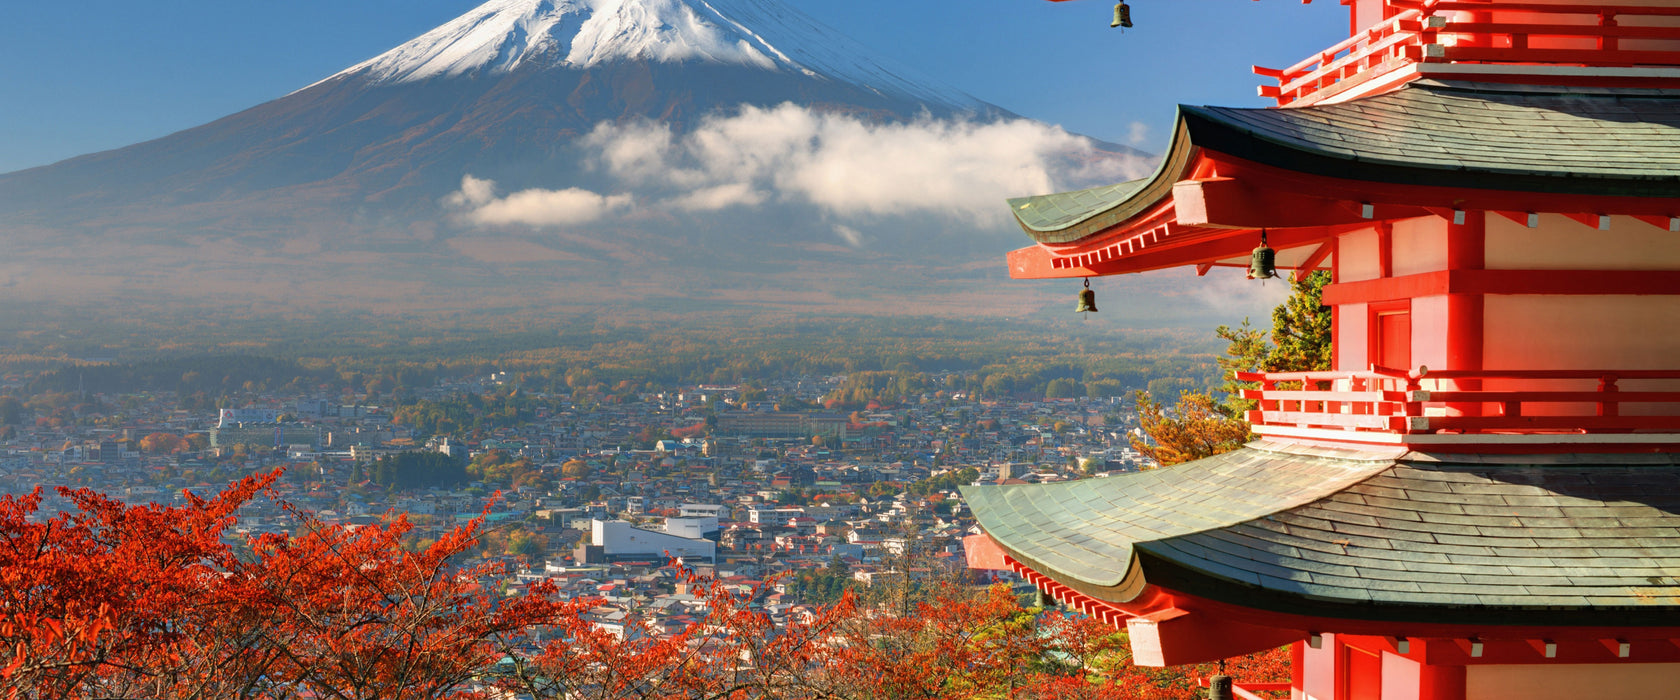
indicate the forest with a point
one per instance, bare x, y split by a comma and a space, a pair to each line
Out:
383, 361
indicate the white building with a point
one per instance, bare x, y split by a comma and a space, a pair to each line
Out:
617, 540
701, 510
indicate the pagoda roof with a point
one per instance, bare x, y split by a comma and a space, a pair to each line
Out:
1459, 539
1518, 138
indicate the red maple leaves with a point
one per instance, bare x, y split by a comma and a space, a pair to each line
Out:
150, 601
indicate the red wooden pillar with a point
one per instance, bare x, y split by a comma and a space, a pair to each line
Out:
1466, 250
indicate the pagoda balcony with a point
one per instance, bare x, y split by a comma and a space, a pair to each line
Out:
1617, 410
1565, 44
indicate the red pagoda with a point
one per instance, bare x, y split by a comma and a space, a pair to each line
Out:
1482, 500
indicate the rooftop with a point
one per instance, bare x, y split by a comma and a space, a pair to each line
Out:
1421, 538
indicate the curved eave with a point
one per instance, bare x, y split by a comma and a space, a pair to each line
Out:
1086, 534
1523, 540
1073, 216
1426, 148
1217, 134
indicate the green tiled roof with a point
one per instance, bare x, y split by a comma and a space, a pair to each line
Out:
1086, 529
1589, 141
1055, 211
1524, 138
1420, 539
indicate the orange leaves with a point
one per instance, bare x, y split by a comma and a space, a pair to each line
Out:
113, 600
164, 443
1192, 429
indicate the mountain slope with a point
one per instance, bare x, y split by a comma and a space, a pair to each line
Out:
485, 89
334, 194
503, 35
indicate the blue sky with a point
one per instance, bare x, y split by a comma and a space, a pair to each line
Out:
98, 74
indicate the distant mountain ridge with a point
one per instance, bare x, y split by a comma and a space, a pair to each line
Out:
502, 35
335, 194
496, 91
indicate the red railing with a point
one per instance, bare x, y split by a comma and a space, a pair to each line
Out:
1473, 402
1512, 34
1353, 60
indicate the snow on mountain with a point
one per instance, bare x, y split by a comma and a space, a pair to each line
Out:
502, 35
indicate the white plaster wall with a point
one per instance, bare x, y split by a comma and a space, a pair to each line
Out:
1424, 243
1401, 677
1352, 336
1573, 682
1318, 673
1356, 257
1561, 243
1429, 332
1581, 332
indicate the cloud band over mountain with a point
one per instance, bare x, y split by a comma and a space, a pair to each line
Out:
846, 167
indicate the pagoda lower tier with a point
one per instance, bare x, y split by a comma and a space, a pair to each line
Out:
1436, 564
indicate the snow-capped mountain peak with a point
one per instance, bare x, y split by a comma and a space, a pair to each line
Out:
502, 35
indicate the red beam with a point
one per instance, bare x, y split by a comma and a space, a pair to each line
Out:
1580, 30
1565, 424
1548, 8
1590, 57
1315, 259
1229, 202
1546, 282
1426, 284
1427, 196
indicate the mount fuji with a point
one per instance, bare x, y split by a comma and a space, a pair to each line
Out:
692, 154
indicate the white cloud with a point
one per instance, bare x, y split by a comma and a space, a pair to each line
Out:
473, 193
635, 152
850, 235
854, 169
533, 207
855, 172
1137, 133
720, 197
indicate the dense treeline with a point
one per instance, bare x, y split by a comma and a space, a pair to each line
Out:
467, 412
214, 374
885, 360
417, 470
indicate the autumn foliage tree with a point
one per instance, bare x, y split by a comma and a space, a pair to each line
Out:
164, 443
152, 601
1200, 426
1191, 429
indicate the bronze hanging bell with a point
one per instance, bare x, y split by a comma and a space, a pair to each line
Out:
1262, 265
1122, 16
1087, 300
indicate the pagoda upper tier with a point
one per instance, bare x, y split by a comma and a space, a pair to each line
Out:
1559, 43
1460, 508
1310, 173
1504, 251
